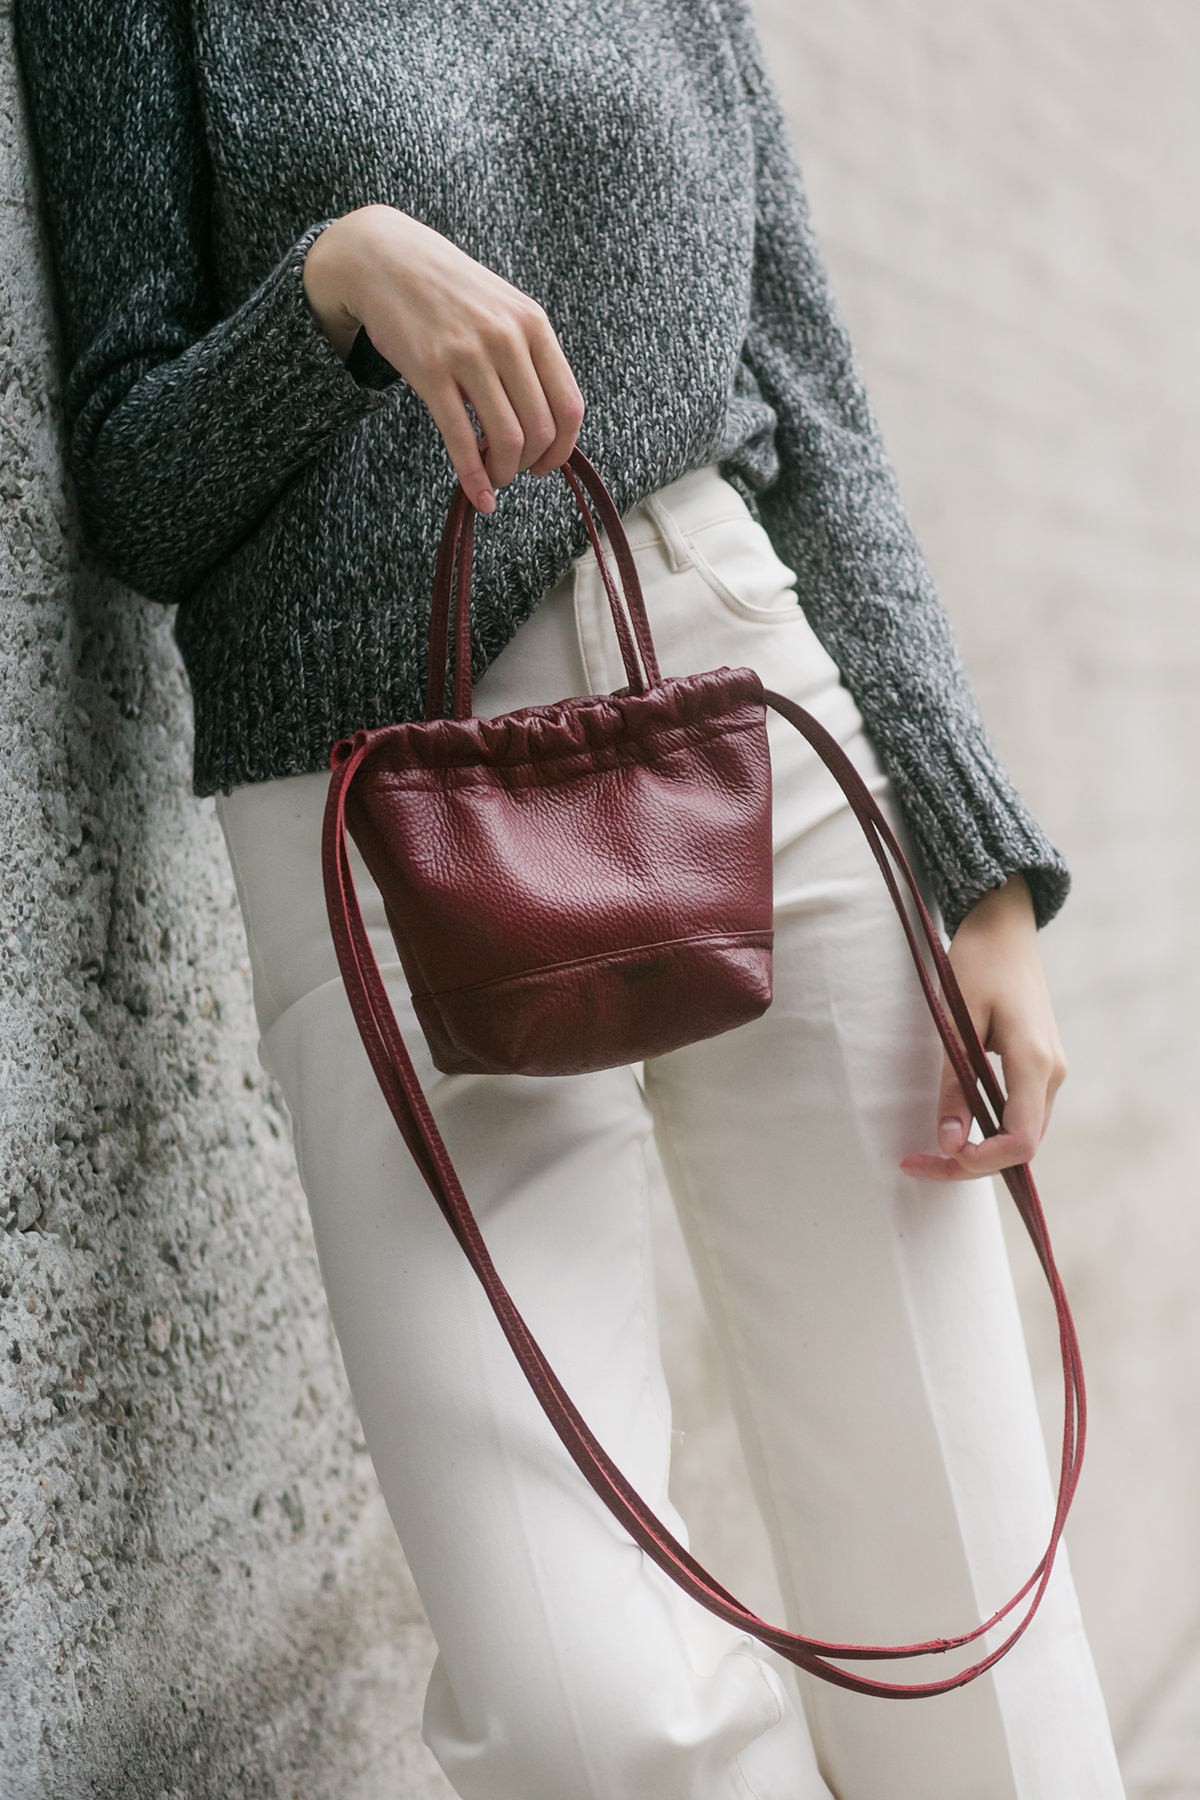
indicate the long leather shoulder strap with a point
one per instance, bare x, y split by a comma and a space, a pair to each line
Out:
393, 1067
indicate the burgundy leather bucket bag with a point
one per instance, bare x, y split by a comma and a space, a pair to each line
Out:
587, 884
581, 885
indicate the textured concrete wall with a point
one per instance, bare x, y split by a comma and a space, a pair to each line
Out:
199, 1597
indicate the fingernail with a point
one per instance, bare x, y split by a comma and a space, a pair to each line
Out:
486, 503
951, 1136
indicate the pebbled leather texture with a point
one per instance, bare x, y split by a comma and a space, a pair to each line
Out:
578, 886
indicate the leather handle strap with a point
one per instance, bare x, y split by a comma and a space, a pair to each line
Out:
452, 577
393, 1067
452, 589
579, 471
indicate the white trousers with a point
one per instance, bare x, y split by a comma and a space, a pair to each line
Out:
866, 1321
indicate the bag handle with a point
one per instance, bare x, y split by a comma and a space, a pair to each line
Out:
452, 591
398, 1079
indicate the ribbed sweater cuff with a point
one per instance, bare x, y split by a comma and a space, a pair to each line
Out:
297, 392
972, 829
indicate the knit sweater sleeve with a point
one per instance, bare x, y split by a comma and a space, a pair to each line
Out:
184, 425
835, 516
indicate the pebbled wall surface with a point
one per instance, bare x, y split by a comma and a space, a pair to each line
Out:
199, 1597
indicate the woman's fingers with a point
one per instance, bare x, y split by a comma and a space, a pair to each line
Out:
519, 429
953, 1128
515, 414
954, 1121
1030, 1077
541, 389
954, 1115
528, 385
503, 431
563, 397
1027, 1074
450, 415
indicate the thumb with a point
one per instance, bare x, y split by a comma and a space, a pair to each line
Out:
954, 1115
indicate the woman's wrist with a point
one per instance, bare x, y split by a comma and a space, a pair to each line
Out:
332, 268
1003, 909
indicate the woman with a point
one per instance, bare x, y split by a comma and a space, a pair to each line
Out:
294, 246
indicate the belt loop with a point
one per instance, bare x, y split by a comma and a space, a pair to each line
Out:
676, 547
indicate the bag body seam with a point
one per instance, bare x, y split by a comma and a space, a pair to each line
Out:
762, 937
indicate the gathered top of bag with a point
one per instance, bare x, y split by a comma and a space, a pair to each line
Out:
624, 724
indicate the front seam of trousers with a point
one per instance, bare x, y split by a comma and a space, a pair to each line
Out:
866, 1323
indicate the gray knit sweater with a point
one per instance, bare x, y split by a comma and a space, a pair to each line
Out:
624, 161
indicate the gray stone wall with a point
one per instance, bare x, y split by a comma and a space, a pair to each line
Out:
199, 1595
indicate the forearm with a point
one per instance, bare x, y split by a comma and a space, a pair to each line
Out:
836, 516
174, 468
184, 425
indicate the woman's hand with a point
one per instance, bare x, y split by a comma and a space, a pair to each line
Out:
457, 333
995, 956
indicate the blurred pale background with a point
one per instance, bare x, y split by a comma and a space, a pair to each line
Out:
1008, 195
